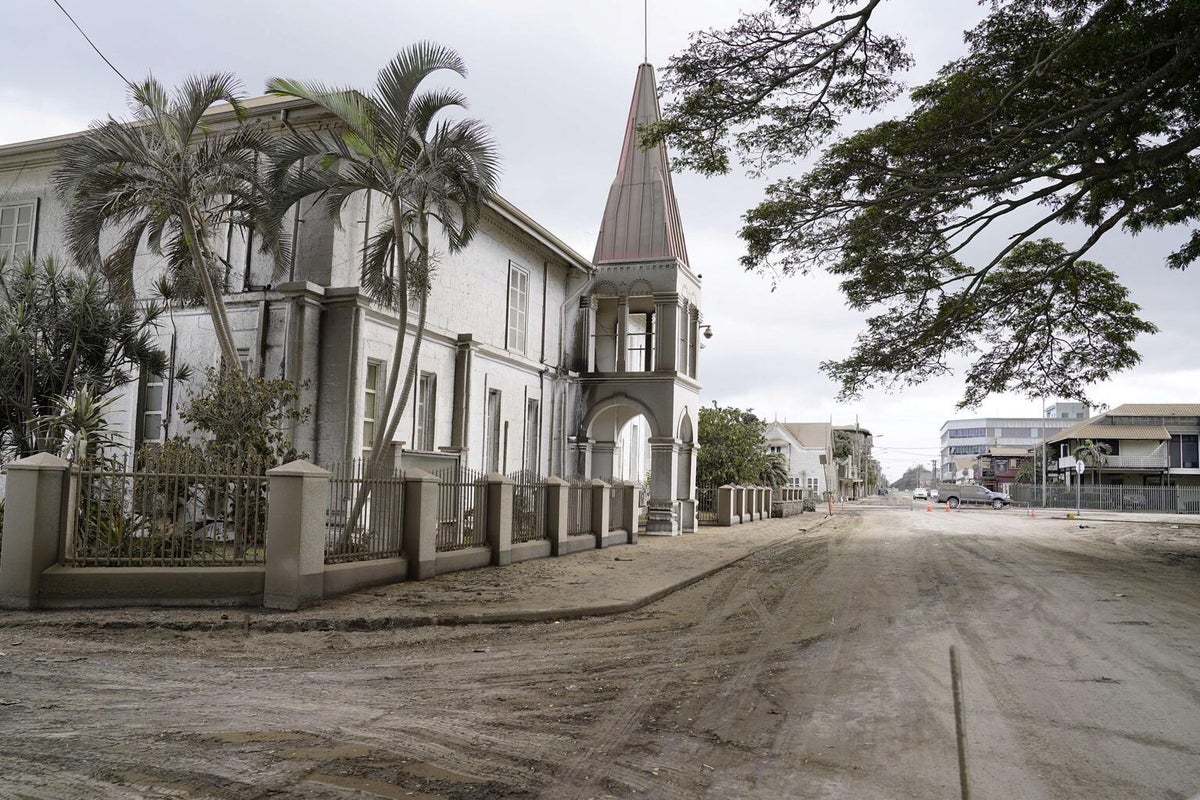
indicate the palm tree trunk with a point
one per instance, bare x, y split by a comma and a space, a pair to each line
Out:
214, 302
392, 411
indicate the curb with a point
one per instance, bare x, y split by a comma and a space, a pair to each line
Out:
247, 624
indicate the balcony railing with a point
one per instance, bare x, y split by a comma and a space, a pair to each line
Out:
1153, 461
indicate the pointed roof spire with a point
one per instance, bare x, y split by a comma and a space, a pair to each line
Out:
641, 220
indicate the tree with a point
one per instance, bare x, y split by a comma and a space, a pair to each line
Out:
64, 343
1095, 455
774, 471
913, 477
732, 447
163, 177
1071, 112
395, 141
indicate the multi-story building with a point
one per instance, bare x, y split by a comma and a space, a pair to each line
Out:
808, 447
852, 453
1144, 444
535, 358
969, 438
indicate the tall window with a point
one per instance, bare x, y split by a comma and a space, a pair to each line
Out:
426, 403
493, 431
812, 484
518, 307
1185, 453
533, 438
16, 230
153, 403
370, 397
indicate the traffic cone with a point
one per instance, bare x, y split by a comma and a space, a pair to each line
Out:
947, 508
1032, 513
929, 507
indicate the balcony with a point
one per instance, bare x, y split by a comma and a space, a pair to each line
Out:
1156, 461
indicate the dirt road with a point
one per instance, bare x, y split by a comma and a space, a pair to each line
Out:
815, 669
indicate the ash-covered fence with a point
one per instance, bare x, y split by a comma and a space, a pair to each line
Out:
364, 528
462, 509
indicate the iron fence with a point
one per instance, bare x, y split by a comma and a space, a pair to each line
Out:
181, 508
1162, 499
365, 520
528, 507
706, 505
462, 509
616, 506
579, 506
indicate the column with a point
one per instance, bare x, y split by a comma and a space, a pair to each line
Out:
662, 515
295, 572
622, 332
460, 413
420, 523
602, 464
588, 305
666, 312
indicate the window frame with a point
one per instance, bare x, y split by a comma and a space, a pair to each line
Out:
425, 412
372, 392
516, 336
8, 250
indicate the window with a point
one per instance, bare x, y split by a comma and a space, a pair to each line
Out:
1185, 452
812, 484
426, 405
153, 403
370, 396
518, 307
492, 431
774, 448
245, 360
533, 439
16, 230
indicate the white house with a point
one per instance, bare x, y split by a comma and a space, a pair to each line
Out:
808, 447
535, 357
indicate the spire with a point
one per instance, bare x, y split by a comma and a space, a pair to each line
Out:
641, 220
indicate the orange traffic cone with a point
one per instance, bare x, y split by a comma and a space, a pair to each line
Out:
929, 507
1032, 513
947, 507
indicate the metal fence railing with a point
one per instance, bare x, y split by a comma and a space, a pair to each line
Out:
462, 509
616, 506
706, 505
579, 506
179, 509
528, 507
378, 531
1163, 499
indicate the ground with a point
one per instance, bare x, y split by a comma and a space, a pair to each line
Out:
816, 668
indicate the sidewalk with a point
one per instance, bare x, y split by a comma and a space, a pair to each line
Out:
589, 583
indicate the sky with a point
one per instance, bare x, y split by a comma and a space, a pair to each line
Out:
554, 80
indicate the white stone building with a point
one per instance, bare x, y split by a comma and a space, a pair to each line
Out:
808, 447
535, 358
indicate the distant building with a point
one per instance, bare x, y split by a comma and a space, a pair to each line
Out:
808, 447
855, 477
970, 438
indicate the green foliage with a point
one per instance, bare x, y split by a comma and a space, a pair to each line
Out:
245, 418
65, 342
914, 476
732, 447
1067, 112
774, 471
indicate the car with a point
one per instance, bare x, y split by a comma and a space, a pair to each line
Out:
955, 496
920, 494
933, 493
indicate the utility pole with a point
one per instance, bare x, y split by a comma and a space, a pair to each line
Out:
933, 472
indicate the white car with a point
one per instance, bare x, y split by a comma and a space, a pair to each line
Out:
933, 494
920, 494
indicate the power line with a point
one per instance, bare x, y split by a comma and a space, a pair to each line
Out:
93, 44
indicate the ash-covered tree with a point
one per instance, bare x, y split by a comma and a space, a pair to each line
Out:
1076, 113
732, 447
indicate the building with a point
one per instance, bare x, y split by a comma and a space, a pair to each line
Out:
970, 438
535, 358
808, 448
852, 454
1146, 444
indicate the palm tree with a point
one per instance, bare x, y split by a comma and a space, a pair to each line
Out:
394, 141
1095, 455
774, 470
164, 177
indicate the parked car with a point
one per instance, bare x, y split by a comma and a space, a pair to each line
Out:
920, 494
933, 493
955, 496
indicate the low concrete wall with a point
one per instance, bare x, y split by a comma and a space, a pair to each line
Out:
527, 551
459, 560
613, 537
787, 508
355, 575
99, 587
573, 544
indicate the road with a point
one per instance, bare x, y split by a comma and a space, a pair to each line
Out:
815, 669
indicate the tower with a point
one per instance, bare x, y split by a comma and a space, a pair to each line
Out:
641, 323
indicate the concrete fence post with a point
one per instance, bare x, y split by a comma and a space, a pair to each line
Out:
755, 503
34, 520
420, 523
739, 503
296, 518
600, 509
630, 510
726, 501
768, 501
557, 509
499, 518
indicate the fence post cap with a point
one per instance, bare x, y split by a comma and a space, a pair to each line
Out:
298, 468
554, 480
727, 486
599, 482
39, 461
497, 477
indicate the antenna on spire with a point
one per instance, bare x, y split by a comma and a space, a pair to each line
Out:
645, 31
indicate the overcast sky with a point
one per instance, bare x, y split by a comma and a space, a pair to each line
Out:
554, 80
